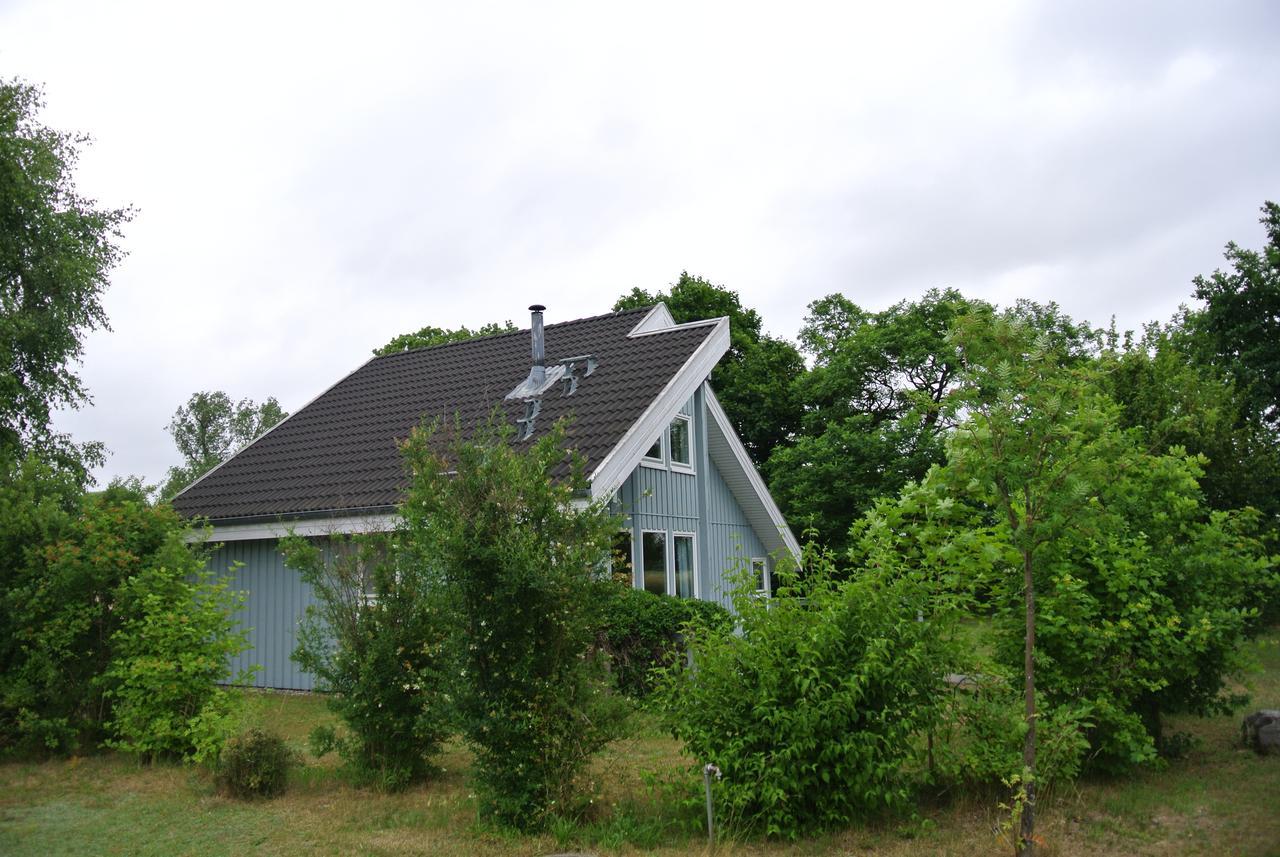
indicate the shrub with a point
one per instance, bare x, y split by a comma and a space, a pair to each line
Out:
522, 562
815, 713
376, 641
108, 627
254, 764
643, 631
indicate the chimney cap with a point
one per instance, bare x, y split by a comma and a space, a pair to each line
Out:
537, 308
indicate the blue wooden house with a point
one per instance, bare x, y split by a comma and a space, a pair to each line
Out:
634, 386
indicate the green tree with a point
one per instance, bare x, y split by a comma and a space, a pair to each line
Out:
57, 249
754, 380
1238, 329
209, 429
522, 560
874, 419
430, 335
1171, 399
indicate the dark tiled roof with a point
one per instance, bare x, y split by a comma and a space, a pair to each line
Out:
340, 452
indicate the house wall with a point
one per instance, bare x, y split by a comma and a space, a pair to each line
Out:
667, 499
277, 601
652, 498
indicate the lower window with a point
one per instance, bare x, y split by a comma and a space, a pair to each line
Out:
684, 566
653, 561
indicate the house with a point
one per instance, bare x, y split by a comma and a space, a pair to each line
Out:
657, 444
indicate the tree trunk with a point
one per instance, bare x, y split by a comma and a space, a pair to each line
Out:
1027, 823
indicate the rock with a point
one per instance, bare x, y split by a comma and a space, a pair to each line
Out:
1261, 731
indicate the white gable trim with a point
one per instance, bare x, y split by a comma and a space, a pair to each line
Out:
739, 473
658, 318
627, 452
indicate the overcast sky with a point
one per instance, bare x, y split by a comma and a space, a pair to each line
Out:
311, 181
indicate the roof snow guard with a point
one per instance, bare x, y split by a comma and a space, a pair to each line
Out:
339, 455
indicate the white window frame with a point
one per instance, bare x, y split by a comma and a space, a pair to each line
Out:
693, 555
666, 558
680, 466
659, 463
766, 577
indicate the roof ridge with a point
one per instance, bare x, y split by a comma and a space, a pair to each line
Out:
516, 332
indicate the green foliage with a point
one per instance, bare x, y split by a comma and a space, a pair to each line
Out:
753, 381
56, 251
981, 742
254, 764
643, 631
1129, 571
106, 629
376, 641
1238, 330
209, 429
429, 336
523, 566
816, 711
874, 417
176, 636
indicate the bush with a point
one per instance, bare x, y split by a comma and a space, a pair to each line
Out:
643, 631
254, 764
981, 742
815, 713
522, 564
376, 641
108, 628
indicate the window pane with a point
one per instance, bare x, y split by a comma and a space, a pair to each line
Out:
655, 451
684, 566
654, 562
680, 442
620, 561
757, 568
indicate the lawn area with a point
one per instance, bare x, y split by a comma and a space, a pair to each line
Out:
1218, 800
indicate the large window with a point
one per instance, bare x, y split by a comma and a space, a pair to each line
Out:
653, 560
681, 449
621, 564
686, 570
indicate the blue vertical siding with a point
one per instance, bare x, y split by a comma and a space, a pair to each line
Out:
277, 601
676, 502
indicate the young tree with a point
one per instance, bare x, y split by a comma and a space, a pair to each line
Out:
524, 560
430, 335
209, 429
1038, 443
57, 249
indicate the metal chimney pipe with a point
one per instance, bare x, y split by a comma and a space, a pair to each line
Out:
539, 373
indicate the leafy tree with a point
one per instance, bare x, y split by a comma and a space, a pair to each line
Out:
1090, 551
57, 249
375, 640
430, 335
1172, 400
874, 419
753, 381
524, 567
209, 429
1238, 329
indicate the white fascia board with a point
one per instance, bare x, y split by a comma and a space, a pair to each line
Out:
658, 318
742, 459
218, 466
626, 454
312, 527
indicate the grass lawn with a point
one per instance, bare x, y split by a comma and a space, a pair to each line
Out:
1219, 800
